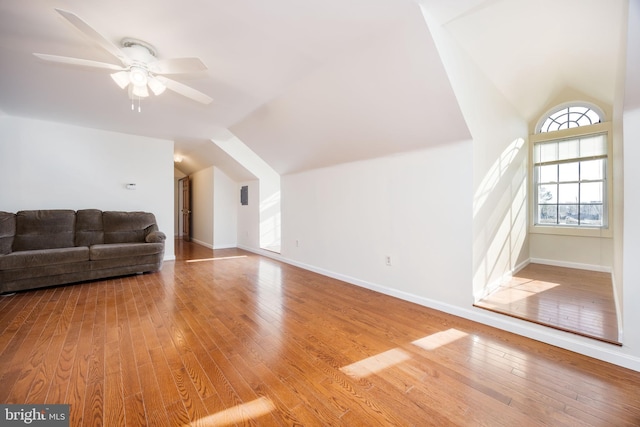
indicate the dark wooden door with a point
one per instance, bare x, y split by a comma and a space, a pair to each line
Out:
186, 209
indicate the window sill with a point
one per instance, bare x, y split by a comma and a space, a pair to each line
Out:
571, 231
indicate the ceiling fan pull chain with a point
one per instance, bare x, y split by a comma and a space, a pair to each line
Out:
133, 102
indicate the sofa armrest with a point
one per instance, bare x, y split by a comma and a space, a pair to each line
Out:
155, 237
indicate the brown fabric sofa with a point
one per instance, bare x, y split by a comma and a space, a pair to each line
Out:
41, 248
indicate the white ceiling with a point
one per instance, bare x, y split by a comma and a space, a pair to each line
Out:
309, 83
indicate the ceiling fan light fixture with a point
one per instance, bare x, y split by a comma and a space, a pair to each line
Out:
138, 76
121, 78
139, 91
156, 86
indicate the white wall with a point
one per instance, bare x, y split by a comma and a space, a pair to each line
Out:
202, 207
414, 207
214, 218
46, 165
500, 162
631, 269
631, 240
226, 198
589, 253
249, 217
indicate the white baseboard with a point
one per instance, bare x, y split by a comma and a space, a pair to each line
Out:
567, 264
618, 303
200, 242
225, 246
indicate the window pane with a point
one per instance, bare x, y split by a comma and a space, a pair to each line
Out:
574, 117
546, 127
569, 172
548, 152
591, 192
591, 215
592, 170
568, 214
547, 214
584, 121
593, 146
558, 114
548, 194
548, 173
568, 193
593, 116
569, 149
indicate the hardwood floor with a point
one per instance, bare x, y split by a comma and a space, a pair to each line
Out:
572, 300
227, 337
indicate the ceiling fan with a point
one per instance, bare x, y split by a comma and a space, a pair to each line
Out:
140, 69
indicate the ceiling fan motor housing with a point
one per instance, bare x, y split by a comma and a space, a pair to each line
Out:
138, 50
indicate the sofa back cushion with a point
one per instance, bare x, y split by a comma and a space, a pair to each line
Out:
127, 227
89, 228
44, 229
7, 231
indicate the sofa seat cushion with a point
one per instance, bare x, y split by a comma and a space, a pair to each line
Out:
44, 257
124, 250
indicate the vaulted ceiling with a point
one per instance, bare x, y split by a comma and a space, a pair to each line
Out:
307, 84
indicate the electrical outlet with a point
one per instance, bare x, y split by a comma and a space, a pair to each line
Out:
387, 260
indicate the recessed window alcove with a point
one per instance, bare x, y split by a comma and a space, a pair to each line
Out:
570, 197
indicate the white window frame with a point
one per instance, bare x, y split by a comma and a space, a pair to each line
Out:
560, 229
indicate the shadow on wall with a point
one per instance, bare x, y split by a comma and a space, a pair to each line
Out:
500, 219
270, 222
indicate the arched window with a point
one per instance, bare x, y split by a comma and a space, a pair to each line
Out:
569, 117
571, 168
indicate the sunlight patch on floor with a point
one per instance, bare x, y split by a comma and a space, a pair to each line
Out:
434, 341
511, 294
217, 258
377, 363
238, 414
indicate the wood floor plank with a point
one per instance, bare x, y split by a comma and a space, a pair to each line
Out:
152, 395
62, 373
75, 396
234, 338
134, 410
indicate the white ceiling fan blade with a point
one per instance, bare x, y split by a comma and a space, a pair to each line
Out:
177, 66
77, 22
185, 90
78, 61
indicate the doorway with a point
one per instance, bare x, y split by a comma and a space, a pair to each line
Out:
184, 209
